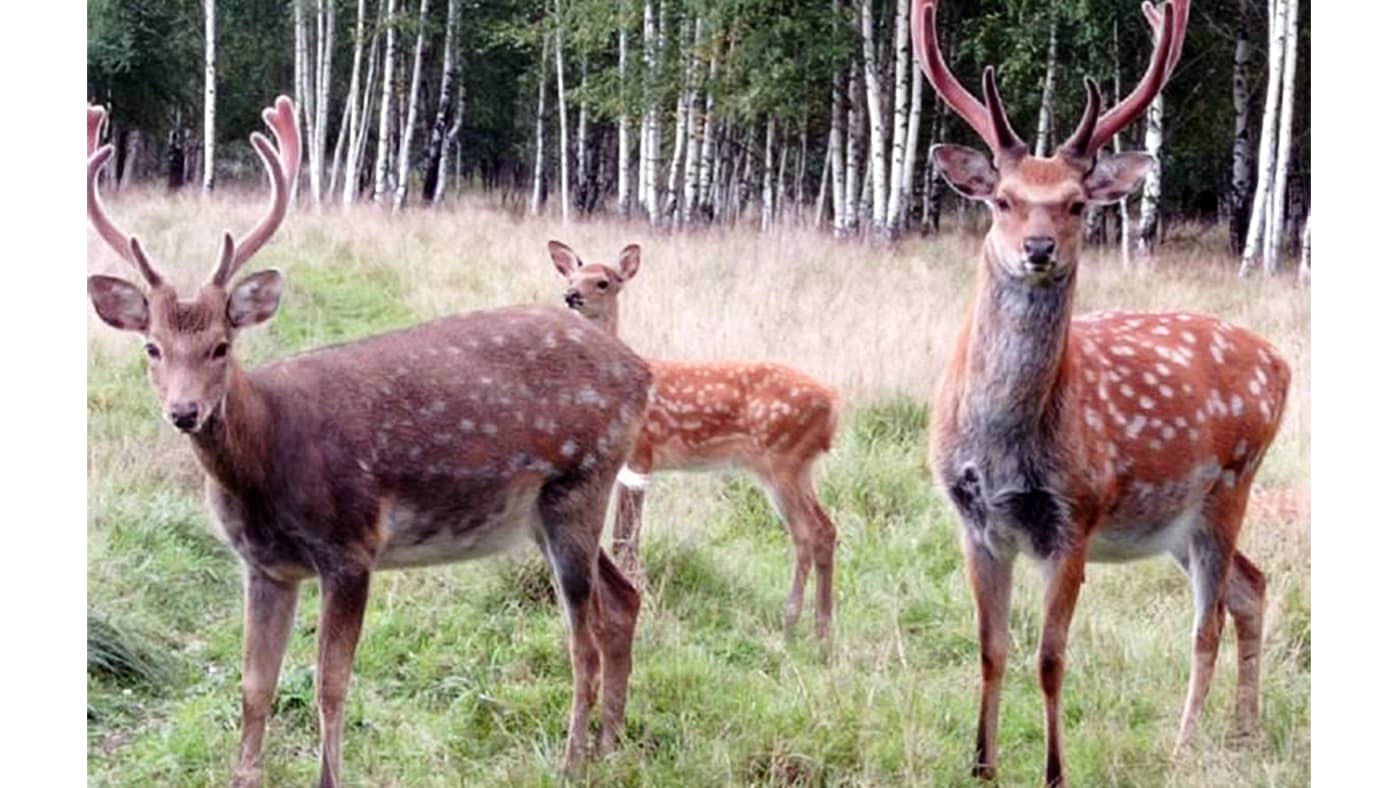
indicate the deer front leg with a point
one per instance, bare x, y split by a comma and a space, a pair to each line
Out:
619, 604
990, 577
269, 607
1064, 575
343, 599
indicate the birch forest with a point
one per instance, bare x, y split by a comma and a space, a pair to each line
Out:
686, 113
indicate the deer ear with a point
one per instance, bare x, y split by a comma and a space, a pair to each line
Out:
119, 303
1116, 176
255, 298
629, 261
968, 171
565, 260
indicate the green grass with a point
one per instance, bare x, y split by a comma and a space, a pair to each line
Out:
462, 676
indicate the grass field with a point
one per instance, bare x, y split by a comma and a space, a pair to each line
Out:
462, 677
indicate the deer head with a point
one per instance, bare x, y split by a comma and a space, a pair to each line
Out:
189, 341
1038, 203
593, 287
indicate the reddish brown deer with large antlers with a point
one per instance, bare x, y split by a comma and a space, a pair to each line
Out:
771, 420
1108, 437
442, 442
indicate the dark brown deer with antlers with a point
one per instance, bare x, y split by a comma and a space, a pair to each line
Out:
442, 442
1108, 437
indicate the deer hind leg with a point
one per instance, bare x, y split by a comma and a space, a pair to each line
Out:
344, 595
1207, 561
785, 493
990, 578
1244, 598
572, 522
822, 533
632, 481
619, 604
269, 609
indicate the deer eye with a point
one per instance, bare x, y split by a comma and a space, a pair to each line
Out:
1076, 208
1003, 204
152, 352
220, 350
603, 285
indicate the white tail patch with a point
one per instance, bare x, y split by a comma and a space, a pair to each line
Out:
632, 480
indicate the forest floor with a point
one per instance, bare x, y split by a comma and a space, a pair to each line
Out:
462, 676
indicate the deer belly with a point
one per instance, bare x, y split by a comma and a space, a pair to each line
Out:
1133, 540
419, 536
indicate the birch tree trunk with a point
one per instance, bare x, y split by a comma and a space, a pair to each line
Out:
209, 95
1152, 184
651, 123
900, 219
1239, 155
459, 112
352, 106
707, 140
875, 159
1277, 216
411, 117
300, 88
581, 172
1264, 167
537, 190
1045, 127
673, 180
837, 147
325, 50
853, 127
690, 188
353, 180
386, 95
624, 122
563, 111
899, 138
437, 142
766, 220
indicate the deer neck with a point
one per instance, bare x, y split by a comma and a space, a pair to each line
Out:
607, 319
1017, 336
234, 445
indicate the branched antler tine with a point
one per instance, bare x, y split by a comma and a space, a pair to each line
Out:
95, 116
925, 35
1077, 146
118, 240
283, 164
1007, 141
1169, 29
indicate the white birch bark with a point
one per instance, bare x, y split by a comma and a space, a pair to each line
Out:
355, 165
581, 139
209, 94
386, 96
1045, 127
411, 117
690, 188
853, 171
1264, 166
452, 140
819, 208
1152, 184
437, 143
300, 80
563, 111
899, 134
1239, 155
876, 157
707, 139
911, 147
537, 190
838, 137
1305, 255
766, 220
325, 48
352, 105
1274, 245
624, 123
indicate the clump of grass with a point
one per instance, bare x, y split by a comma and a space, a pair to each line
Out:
123, 655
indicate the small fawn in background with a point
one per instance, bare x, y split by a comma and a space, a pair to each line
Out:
1108, 437
447, 441
769, 419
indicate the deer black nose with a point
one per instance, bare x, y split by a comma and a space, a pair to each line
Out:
184, 415
574, 299
1040, 249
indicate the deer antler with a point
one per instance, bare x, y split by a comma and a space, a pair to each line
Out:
283, 165
1168, 24
987, 119
125, 245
